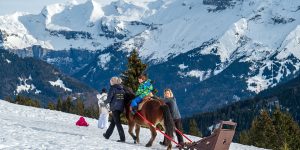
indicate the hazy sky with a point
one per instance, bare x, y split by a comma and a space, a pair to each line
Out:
31, 6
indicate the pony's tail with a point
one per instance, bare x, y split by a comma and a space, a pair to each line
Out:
168, 122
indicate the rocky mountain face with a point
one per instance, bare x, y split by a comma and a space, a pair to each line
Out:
39, 80
210, 52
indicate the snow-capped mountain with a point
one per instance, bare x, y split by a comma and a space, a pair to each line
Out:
210, 52
24, 127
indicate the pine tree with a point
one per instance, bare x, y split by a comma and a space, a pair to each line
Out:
9, 99
262, 131
59, 104
68, 104
285, 147
194, 130
287, 131
278, 132
244, 138
79, 107
51, 106
135, 68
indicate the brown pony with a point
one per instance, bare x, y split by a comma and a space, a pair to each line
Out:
155, 111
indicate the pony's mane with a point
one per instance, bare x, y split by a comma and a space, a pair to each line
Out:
129, 95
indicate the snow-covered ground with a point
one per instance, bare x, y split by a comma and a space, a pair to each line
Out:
24, 127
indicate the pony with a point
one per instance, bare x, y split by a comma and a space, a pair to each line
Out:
155, 111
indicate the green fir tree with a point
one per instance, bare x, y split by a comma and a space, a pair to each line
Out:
79, 107
194, 130
51, 106
59, 104
135, 68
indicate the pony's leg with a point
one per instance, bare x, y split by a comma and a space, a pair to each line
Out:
137, 132
130, 130
153, 135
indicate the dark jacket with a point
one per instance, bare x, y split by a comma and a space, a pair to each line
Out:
115, 97
171, 102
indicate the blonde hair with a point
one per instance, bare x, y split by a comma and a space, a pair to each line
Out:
120, 80
169, 90
114, 80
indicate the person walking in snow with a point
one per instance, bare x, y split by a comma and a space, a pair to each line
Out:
144, 89
170, 100
103, 110
115, 99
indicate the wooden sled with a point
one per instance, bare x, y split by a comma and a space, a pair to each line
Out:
220, 139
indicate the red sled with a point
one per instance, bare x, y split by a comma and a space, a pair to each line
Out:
82, 122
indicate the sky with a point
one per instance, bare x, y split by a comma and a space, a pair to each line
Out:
31, 6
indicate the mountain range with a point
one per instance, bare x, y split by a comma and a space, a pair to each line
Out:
210, 52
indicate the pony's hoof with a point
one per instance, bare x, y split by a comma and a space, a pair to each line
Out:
134, 142
134, 138
148, 145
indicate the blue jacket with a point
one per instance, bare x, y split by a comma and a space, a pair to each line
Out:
115, 97
171, 102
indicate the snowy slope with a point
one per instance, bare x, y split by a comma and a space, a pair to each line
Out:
25, 127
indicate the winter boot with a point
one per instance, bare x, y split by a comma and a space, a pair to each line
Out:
134, 110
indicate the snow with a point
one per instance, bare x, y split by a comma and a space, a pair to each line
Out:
182, 66
104, 60
180, 28
60, 84
25, 86
202, 75
24, 127
257, 83
291, 45
8, 61
246, 32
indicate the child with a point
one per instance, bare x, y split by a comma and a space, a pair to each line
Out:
103, 117
144, 89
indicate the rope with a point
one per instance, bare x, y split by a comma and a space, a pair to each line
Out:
168, 137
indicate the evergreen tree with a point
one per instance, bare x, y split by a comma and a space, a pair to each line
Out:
285, 147
79, 107
9, 99
51, 106
262, 131
135, 68
68, 104
194, 130
59, 104
278, 132
244, 138
287, 131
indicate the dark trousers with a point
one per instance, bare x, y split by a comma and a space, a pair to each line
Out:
178, 125
115, 122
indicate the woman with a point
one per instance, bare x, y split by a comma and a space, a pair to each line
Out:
115, 99
103, 117
170, 100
